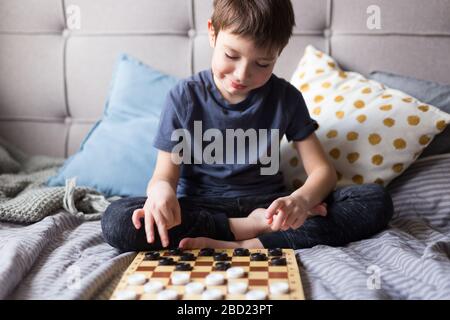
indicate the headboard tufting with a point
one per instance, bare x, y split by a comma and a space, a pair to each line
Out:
57, 56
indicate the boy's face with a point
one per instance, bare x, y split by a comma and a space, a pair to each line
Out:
238, 66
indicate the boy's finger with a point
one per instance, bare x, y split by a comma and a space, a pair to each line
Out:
162, 230
272, 209
284, 225
136, 217
149, 221
278, 220
151, 234
290, 219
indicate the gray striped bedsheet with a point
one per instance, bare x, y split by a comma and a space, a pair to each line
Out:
64, 257
409, 260
60, 257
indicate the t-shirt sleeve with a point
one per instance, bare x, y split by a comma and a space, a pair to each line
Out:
171, 119
300, 124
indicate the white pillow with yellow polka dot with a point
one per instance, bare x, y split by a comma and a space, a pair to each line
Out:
371, 133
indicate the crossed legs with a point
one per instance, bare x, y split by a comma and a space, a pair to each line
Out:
245, 231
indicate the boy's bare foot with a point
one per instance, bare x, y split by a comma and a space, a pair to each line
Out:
257, 218
202, 242
245, 230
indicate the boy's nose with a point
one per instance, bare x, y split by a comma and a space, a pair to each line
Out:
242, 73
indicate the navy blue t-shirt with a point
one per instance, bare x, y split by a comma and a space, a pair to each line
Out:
196, 102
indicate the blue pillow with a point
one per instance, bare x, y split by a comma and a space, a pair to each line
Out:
430, 92
117, 157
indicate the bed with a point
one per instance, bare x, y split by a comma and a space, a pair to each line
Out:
56, 60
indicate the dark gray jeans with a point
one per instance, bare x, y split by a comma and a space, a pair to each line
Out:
354, 213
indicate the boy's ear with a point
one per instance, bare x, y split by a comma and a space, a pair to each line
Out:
211, 34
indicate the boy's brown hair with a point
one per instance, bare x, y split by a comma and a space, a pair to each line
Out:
268, 23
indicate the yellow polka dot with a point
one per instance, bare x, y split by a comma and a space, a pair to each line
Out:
413, 120
377, 159
293, 162
374, 138
358, 179
317, 99
363, 80
423, 108
389, 122
407, 99
386, 107
317, 110
398, 167
345, 87
379, 181
352, 157
326, 85
332, 64
339, 99
399, 143
335, 153
340, 114
359, 104
319, 54
366, 90
339, 175
440, 125
352, 135
304, 87
301, 75
318, 71
332, 134
361, 118
342, 74
386, 96
423, 140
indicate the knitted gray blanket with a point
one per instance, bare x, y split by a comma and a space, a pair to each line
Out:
25, 198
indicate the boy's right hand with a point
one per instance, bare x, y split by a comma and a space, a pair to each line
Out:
160, 208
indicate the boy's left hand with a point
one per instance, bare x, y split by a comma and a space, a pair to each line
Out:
289, 212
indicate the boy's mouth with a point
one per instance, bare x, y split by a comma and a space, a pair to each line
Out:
237, 86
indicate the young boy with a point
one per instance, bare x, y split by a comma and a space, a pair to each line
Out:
208, 202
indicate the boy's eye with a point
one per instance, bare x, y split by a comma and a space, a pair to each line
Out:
262, 65
230, 57
258, 64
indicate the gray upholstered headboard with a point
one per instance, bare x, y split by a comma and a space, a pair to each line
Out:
56, 56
